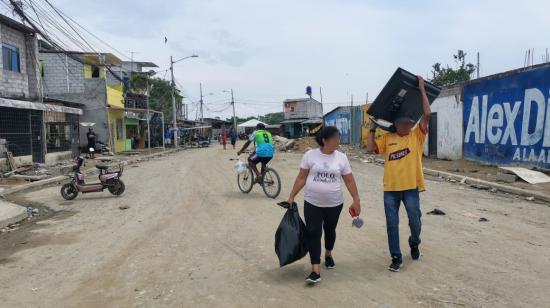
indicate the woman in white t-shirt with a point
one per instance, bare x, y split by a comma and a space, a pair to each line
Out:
321, 172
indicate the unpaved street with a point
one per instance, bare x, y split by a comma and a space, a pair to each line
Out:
191, 239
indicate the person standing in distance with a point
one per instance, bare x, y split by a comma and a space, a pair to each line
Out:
91, 136
321, 172
403, 176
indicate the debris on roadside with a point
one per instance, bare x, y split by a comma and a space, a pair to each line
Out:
483, 219
493, 190
480, 186
530, 198
124, 207
436, 212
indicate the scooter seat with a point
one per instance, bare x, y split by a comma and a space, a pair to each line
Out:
102, 167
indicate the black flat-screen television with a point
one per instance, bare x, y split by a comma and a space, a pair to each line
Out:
401, 97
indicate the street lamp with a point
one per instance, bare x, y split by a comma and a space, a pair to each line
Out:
174, 117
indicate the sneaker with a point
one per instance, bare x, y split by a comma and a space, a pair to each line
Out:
415, 252
395, 264
313, 278
329, 263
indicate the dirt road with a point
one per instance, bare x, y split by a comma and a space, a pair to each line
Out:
191, 239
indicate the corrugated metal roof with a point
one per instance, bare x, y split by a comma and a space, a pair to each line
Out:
13, 103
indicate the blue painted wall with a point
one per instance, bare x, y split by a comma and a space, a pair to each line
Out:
507, 119
340, 118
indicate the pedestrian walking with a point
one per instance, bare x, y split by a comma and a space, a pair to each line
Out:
403, 176
321, 171
224, 138
233, 137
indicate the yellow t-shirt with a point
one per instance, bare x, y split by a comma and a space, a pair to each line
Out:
403, 160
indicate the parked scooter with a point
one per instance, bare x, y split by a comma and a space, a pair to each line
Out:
107, 179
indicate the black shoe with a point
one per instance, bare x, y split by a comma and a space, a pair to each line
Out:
329, 263
313, 278
415, 252
395, 264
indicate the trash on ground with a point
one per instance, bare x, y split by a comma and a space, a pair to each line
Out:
124, 207
469, 215
529, 176
530, 198
483, 219
436, 212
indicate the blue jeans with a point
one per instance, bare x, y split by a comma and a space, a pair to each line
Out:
392, 202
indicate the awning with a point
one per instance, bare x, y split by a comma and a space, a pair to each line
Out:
13, 103
292, 121
312, 121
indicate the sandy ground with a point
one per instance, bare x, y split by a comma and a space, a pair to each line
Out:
191, 239
476, 170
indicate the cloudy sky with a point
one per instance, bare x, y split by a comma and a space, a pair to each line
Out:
271, 50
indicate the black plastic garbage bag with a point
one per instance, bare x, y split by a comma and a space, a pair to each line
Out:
290, 238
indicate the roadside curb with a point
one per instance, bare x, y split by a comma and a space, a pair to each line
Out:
474, 181
11, 213
60, 178
497, 186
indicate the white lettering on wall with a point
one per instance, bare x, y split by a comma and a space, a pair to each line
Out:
532, 95
483, 118
510, 131
495, 120
473, 121
546, 140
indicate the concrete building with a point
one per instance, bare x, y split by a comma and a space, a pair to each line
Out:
89, 79
32, 128
301, 116
445, 137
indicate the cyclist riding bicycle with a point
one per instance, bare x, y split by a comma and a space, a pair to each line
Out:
264, 150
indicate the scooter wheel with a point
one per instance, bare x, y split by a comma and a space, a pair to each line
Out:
118, 188
68, 191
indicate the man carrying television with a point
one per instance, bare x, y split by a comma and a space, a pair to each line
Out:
403, 175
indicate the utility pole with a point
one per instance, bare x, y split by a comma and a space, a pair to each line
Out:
351, 122
200, 85
149, 117
234, 117
477, 67
174, 116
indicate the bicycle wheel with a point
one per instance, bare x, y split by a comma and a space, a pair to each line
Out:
245, 180
271, 183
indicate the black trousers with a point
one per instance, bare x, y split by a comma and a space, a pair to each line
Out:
317, 220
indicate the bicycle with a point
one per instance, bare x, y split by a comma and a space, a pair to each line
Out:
271, 181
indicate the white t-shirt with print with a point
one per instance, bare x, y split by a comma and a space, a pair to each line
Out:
324, 182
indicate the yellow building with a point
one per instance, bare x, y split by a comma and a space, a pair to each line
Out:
365, 133
115, 118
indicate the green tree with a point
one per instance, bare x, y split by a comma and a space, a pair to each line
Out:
160, 98
274, 118
444, 76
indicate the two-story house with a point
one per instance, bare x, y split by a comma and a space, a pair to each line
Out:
88, 79
301, 116
32, 128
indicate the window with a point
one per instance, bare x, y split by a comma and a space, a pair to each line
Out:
95, 71
292, 109
10, 58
